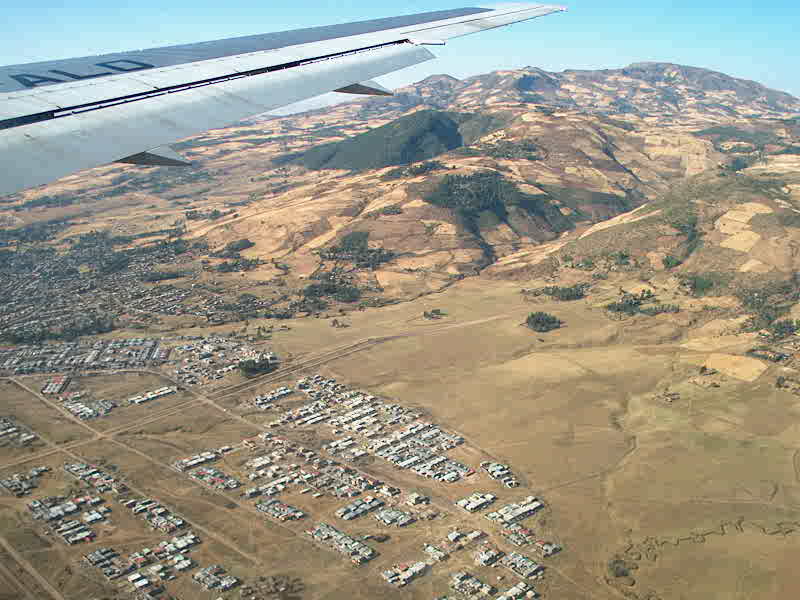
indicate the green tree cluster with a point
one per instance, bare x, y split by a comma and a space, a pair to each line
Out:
488, 192
251, 367
354, 248
563, 293
543, 322
414, 170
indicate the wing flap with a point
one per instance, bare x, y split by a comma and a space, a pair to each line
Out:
163, 156
366, 88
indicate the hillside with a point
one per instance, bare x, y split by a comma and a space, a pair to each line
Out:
648, 90
446, 179
412, 138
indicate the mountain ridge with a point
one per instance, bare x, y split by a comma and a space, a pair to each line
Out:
570, 151
705, 91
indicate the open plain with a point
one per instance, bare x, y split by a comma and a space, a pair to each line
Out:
710, 478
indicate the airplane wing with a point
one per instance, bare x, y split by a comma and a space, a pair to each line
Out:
62, 116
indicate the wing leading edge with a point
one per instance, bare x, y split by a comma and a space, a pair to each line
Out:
60, 117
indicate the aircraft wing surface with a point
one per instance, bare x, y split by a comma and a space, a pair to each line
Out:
62, 116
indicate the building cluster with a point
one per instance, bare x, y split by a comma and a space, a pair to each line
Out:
163, 300
359, 508
522, 536
476, 501
402, 575
96, 478
394, 517
201, 360
21, 484
516, 511
148, 396
73, 357
420, 447
266, 401
145, 571
156, 516
521, 564
456, 540
215, 478
319, 475
329, 536
386, 430
470, 586
501, 473
435, 553
55, 508
109, 562
365, 424
49, 290
85, 408
487, 555
280, 510
148, 567
208, 359
517, 592
546, 549
215, 578
56, 385
70, 519
13, 433
347, 448
518, 535
207, 456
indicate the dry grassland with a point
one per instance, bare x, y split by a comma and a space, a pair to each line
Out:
563, 411
187, 432
42, 419
119, 388
573, 411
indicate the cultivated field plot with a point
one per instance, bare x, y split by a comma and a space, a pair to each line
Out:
37, 416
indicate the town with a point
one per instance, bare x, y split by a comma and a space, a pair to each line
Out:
334, 486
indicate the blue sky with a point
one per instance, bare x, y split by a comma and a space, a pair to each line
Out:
753, 40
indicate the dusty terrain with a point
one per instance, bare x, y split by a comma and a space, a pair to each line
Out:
575, 411
666, 445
